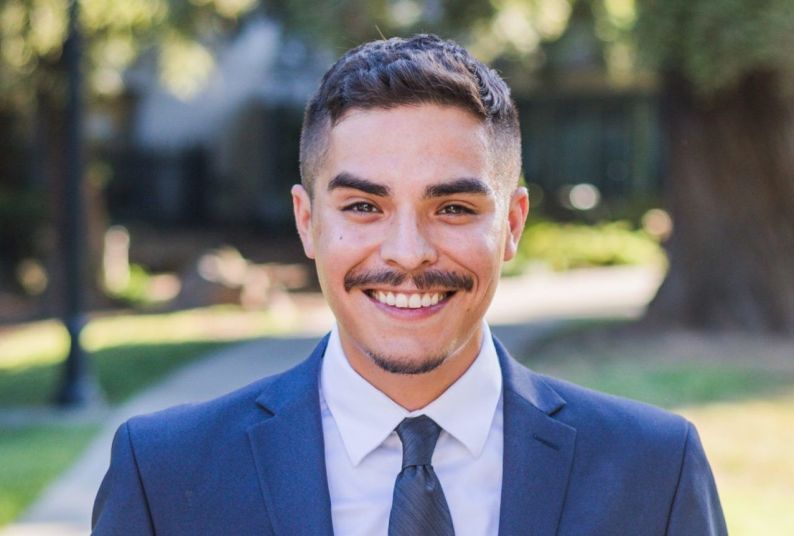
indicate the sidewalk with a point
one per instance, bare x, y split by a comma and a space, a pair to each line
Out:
523, 308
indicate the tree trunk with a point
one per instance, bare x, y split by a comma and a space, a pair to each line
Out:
731, 196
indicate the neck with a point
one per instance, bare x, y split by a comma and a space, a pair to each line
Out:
414, 391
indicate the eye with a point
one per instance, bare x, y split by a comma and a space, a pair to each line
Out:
362, 207
454, 209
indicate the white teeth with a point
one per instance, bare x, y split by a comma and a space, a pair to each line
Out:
401, 300
408, 301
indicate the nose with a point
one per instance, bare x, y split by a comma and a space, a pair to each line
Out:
406, 244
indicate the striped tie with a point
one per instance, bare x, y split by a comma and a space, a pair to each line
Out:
419, 506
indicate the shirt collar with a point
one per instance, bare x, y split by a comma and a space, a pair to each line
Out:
365, 416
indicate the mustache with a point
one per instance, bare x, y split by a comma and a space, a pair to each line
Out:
423, 280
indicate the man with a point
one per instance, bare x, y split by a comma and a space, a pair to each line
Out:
409, 419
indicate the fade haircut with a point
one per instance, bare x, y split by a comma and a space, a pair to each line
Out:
423, 69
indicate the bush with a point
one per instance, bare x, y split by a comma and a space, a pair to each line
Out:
563, 246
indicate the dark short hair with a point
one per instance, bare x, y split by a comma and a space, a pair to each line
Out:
423, 69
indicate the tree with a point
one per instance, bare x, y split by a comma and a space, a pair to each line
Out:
33, 82
728, 82
42, 47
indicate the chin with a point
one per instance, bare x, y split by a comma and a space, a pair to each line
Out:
407, 365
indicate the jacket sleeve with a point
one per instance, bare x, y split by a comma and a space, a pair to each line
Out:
696, 506
121, 506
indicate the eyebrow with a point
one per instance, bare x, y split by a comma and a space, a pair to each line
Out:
465, 185
458, 186
347, 180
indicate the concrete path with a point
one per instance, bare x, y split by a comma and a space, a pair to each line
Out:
523, 309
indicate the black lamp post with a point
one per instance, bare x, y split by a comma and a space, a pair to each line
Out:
79, 386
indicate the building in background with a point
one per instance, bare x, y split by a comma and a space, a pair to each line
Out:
227, 154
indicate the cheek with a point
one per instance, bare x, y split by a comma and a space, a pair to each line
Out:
483, 240
477, 249
344, 241
340, 247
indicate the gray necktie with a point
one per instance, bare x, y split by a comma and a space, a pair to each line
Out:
419, 506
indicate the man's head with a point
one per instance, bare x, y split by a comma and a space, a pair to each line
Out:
409, 203
423, 69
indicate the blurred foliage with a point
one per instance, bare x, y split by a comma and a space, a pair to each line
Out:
32, 33
135, 292
711, 42
562, 246
715, 43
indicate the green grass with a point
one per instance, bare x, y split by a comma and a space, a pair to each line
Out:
128, 353
738, 391
32, 457
673, 385
750, 444
121, 370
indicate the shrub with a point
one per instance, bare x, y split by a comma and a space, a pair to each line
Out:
563, 246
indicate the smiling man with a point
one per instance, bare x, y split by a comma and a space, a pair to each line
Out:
409, 419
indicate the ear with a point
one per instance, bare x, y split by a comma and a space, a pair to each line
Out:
517, 213
302, 208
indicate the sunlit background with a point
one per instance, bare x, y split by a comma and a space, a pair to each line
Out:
657, 149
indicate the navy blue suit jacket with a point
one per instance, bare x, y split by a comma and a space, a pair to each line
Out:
575, 463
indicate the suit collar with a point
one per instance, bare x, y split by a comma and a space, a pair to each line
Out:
526, 384
290, 459
538, 452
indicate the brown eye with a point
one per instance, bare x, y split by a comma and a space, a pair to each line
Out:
455, 210
362, 207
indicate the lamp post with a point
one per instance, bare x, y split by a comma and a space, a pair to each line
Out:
79, 387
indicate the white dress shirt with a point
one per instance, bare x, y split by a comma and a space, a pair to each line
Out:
363, 454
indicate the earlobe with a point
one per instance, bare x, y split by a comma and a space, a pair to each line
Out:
516, 219
302, 208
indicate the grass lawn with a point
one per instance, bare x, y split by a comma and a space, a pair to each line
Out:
128, 353
738, 391
32, 456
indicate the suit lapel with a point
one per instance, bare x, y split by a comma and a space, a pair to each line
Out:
538, 453
289, 452
288, 449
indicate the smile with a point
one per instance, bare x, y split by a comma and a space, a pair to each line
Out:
403, 300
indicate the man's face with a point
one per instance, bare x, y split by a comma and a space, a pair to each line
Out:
408, 232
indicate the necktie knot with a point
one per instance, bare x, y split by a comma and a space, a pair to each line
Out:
419, 436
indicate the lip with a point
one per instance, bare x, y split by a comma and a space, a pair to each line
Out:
407, 313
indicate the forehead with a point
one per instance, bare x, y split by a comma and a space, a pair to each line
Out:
407, 144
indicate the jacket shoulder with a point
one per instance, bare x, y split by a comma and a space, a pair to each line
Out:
623, 440
603, 415
196, 426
